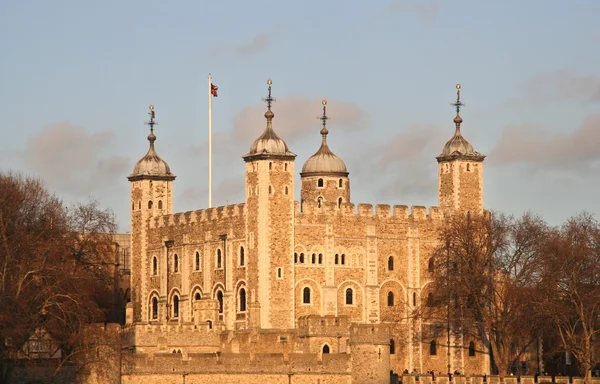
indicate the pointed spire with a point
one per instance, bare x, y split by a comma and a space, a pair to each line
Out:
457, 104
151, 123
324, 119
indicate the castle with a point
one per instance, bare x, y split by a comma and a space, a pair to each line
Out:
272, 289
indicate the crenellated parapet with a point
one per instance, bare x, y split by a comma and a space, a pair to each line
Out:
329, 325
384, 211
199, 216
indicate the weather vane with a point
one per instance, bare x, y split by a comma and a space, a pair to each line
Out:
269, 99
457, 104
151, 123
324, 118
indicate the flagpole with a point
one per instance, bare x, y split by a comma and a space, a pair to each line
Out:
209, 141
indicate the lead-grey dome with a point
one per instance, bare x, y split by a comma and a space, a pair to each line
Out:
458, 146
269, 144
151, 166
324, 162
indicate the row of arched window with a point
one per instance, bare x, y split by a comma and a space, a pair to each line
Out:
150, 204
433, 348
321, 183
174, 304
320, 201
314, 258
430, 264
197, 264
307, 296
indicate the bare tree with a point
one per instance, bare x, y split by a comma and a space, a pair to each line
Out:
53, 271
571, 299
485, 270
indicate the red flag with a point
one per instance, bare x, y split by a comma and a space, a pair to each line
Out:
213, 90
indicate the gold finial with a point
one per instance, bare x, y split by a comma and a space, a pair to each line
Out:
269, 99
151, 107
324, 119
458, 86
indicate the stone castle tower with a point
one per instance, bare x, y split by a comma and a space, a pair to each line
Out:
460, 171
285, 287
151, 196
269, 222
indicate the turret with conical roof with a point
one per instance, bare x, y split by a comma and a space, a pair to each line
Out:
151, 196
324, 175
460, 185
270, 226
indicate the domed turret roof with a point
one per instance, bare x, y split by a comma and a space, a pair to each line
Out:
269, 144
458, 146
324, 162
151, 166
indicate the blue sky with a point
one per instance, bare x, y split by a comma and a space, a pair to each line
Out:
76, 79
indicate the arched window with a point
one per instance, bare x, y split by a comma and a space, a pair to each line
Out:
154, 266
175, 263
149, 204
471, 349
320, 202
219, 259
340, 183
286, 190
285, 167
314, 258
320, 183
209, 324
468, 167
306, 295
154, 308
175, 306
242, 300
414, 299
302, 258
279, 273
390, 263
197, 296
220, 300
349, 296
197, 261
392, 347
390, 299
343, 258
295, 258
320, 258
430, 300
431, 265
270, 190
270, 166
242, 261
140, 204
433, 348
159, 204
132, 206
326, 348
340, 202
337, 258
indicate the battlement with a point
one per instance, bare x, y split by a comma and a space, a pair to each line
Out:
200, 215
369, 334
234, 363
398, 212
329, 325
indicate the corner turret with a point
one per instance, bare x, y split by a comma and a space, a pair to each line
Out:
460, 170
324, 175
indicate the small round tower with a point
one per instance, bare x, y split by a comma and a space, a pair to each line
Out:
324, 176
